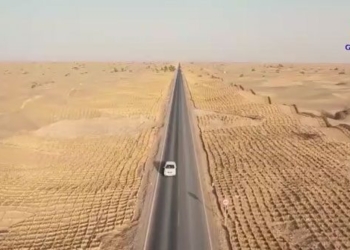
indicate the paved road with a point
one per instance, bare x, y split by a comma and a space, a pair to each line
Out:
178, 220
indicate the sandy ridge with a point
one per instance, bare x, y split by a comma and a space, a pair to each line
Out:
343, 127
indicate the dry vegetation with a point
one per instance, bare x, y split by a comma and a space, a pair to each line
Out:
285, 174
74, 139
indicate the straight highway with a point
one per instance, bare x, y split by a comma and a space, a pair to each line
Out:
178, 218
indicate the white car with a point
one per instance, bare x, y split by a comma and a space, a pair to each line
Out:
169, 168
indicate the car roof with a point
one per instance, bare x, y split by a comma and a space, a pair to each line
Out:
171, 162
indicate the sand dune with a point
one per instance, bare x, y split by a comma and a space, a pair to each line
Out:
74, 142
284, 169
313, 87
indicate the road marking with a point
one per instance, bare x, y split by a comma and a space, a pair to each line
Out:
161, 159
197, 162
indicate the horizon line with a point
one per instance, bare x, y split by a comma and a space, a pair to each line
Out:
169, 61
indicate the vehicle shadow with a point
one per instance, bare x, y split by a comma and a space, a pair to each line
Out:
158, 165
193, 196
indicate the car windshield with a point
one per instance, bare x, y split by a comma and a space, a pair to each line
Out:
169, 166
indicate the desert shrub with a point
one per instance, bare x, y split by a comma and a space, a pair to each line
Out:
172, 68
341, 84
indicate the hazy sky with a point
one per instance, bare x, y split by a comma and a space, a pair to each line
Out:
180, 30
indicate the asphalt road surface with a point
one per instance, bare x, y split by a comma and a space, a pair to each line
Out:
178, 220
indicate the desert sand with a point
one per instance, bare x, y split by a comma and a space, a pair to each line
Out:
74, 140
284, 169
